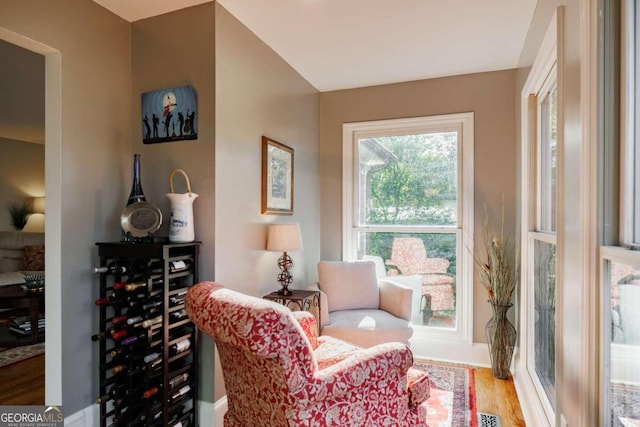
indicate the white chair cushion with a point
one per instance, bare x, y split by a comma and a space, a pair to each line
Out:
366, 328
349, 285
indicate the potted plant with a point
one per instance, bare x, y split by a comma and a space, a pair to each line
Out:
498, 268
19, 213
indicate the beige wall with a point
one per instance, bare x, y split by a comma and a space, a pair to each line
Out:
21, 81
21, 175
490, 96
21, 128
257, 94
88, 72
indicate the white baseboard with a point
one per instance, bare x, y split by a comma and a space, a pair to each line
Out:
532, 409
87, 417
476, 354
207, 414
220, 410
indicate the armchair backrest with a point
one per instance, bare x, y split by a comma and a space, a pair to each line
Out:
349, 285
256, 338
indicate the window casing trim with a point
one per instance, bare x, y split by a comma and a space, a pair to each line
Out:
462, 122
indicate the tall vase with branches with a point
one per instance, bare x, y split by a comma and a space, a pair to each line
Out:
498, 269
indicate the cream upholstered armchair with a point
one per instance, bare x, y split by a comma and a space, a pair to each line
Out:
279, 373
413, 281
359, 308
409, 255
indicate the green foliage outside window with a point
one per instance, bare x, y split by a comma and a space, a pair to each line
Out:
417, 186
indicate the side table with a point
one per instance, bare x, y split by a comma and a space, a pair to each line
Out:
303, 300
13, 296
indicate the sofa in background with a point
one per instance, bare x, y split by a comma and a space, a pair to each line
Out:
20, 253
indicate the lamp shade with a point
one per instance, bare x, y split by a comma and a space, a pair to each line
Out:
37, 205
284, 237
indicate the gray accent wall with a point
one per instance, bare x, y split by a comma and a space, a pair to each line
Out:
258, 93
88, 114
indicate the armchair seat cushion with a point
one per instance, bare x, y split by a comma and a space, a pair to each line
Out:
367, 327
332, 350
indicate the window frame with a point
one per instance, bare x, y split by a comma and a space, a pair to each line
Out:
546, 63
464, 122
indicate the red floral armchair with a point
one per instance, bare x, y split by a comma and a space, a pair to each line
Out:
278, 372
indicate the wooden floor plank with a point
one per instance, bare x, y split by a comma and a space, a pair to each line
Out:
22, 383
498, 397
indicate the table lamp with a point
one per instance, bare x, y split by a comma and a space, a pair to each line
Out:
283, 238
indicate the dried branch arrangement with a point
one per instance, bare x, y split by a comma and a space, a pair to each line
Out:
498, 264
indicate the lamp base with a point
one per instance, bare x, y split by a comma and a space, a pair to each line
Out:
284, 291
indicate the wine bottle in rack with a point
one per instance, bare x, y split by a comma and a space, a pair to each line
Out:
141, 337
180, 347
103, 334
179, 379
116, 391
151, 357
150, 322
180, 265
130, 287
118, 320
112, 268
179, 394
154, 414
118, 335
184, 422
177, 299
152, 304
176, 316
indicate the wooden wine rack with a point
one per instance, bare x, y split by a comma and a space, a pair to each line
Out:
162, 286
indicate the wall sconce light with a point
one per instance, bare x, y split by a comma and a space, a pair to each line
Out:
37, 205
283, 238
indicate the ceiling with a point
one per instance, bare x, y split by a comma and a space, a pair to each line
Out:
339, 44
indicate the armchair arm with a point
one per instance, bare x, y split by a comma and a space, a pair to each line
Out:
395, 298
324, 304
379, 364
307, 322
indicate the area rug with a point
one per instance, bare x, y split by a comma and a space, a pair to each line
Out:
9, 356
625, 405
453, 399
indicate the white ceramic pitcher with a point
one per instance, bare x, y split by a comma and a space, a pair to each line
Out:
181, 219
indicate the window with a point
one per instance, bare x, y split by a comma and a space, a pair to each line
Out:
543, 240
540, 191
408, 206
620, 258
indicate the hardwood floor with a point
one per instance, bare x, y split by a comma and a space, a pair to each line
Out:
22, 383
497, 397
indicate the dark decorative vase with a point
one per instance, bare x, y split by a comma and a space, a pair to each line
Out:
501, 337
136, 195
